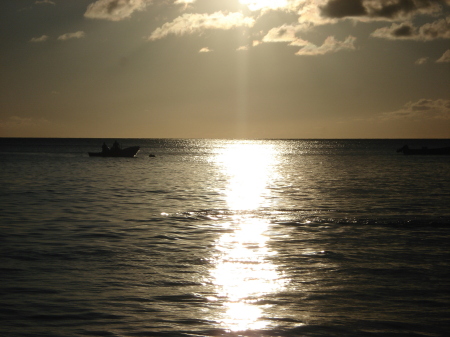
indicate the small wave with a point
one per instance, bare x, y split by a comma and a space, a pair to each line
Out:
193, 298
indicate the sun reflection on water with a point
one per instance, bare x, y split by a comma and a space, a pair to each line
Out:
243, 271
249, 167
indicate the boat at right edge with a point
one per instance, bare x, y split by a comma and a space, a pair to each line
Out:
425, 151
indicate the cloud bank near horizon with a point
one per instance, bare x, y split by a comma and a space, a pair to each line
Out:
423, 108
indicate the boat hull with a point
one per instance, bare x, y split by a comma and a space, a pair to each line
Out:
128, 152
425, 151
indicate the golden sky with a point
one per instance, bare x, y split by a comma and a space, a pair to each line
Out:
225, 69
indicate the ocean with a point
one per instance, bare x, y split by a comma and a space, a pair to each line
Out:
224, 238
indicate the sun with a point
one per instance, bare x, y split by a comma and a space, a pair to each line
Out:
255, 5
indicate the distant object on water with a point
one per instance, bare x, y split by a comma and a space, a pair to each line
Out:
151, 155
425, 151
116, 151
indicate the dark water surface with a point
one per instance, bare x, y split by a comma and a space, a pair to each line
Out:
224, 238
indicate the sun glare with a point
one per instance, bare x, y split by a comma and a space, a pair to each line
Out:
248, 167
255, 5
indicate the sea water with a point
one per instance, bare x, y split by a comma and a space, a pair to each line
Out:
224, 238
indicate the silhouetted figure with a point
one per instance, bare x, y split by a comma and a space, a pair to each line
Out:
105, 148
403, 149
116, 146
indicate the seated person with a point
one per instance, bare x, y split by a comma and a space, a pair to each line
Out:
116, 146
105, 147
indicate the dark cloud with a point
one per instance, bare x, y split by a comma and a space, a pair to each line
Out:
112, 6
343, 8
389, 9
439, 29
404, 30
393, 9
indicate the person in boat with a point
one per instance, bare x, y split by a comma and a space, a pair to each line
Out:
116, 146
105, 148
403, 149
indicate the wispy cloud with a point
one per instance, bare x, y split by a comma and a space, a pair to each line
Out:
284, 33
15, 121
439, 29
205, 50
185, 3
114, 10
45, 2
330, 45
445, 58
423, 108
18, 122
288, 33
42, 38
77, 35
421, 61
195, 23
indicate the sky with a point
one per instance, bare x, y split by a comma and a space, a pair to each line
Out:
225, 69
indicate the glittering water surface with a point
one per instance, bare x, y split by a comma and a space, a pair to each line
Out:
224, 238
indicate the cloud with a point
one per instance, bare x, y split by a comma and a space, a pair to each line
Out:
288, 34
403, 8
445, 58
194, 23
77, 35
435, 30
284, 33
423, 108
45, 2
439, 29
321, 12
343, 8
17, 122
421, 61
205, 50
186, 3
114, 10
330, 45
43, 38
380, 9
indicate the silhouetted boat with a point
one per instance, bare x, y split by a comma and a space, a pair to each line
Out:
116, 152
425, 151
